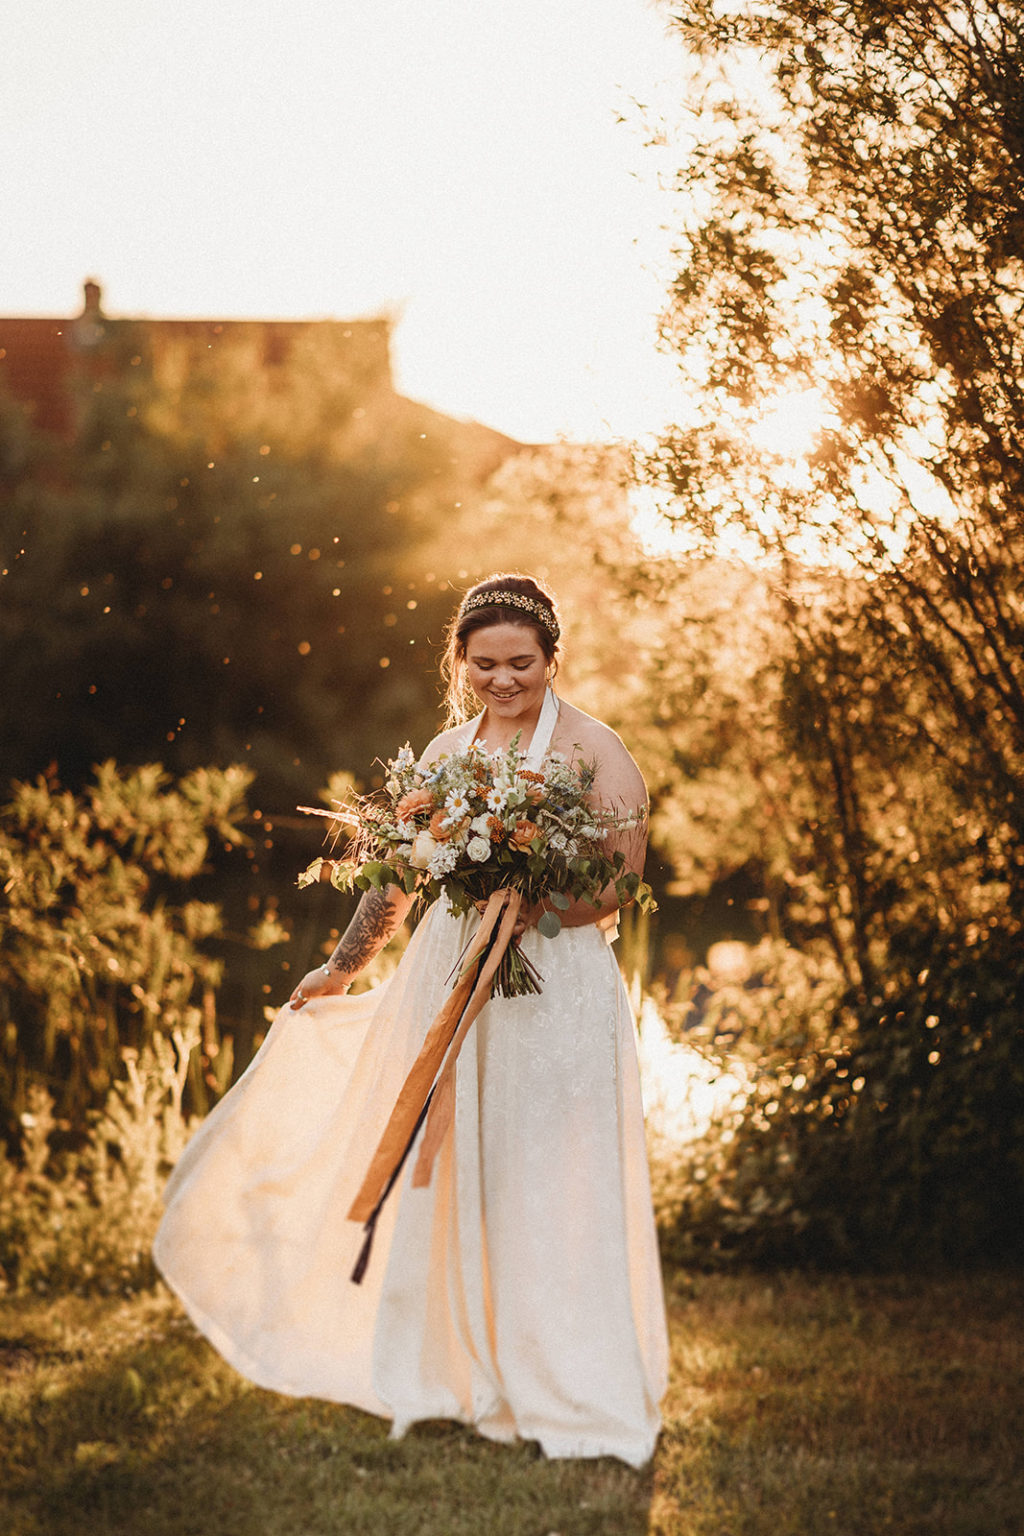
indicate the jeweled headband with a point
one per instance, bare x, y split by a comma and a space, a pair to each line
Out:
513, 600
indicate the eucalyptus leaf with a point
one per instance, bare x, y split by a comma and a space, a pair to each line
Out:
550, 925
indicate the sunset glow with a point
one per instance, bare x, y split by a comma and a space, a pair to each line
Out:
478, 172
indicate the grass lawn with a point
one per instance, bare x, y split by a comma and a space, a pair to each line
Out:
798, 1404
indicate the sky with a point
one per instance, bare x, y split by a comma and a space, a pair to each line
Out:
458, 165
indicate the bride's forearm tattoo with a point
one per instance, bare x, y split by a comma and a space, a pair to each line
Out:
376, 919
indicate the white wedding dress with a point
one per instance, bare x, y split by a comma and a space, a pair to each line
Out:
521, 1291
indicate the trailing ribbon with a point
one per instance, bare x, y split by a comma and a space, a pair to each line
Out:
428, 1091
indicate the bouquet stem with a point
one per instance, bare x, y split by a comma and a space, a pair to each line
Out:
516, 976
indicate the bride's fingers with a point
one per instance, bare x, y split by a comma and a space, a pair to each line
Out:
314, 985
300, 996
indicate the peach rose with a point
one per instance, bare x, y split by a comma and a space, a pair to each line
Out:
524, 832
439, 827
415, 800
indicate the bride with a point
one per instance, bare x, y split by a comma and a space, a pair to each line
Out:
519, 1292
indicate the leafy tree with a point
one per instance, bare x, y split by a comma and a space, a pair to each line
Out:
860, 241
216, 571
855, 238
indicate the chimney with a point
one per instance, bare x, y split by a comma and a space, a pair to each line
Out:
88, 330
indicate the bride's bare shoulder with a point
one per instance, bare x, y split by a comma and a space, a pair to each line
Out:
575, 726
579, 734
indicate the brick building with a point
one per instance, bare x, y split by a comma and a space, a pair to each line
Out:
270, 370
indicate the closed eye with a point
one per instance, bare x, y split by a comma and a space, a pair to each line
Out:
520, 662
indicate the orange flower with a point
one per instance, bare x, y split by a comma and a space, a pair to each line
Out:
415, 800
439, 827
524, 832
534, 785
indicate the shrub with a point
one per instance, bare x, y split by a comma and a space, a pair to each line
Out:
885, 1132
102, 949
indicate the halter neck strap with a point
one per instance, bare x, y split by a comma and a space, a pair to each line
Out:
542, 731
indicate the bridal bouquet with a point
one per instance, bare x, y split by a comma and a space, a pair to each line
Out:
476, 822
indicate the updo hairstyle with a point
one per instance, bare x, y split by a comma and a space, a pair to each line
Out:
508, 598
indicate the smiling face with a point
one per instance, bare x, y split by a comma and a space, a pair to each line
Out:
506, 669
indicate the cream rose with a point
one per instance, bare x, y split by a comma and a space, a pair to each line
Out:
423, 849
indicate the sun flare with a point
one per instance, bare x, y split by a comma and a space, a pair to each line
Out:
684, 1092
792, 423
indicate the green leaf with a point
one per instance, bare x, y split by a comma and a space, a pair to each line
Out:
310, 875
560, 900
550, 925
343, 876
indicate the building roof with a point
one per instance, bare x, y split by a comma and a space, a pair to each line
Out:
41, 357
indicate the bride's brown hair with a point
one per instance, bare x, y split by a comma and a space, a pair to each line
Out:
507, 598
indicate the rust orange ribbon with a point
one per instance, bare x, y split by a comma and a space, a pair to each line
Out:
428, 1091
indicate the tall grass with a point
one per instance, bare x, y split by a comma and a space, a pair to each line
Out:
83, 1218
